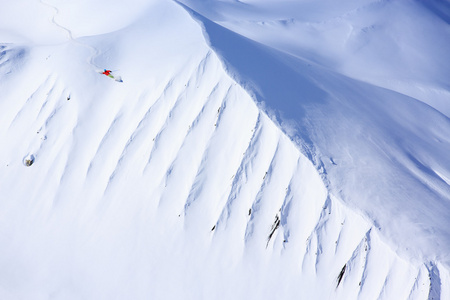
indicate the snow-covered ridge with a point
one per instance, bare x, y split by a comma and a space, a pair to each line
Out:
383, 152
174, 183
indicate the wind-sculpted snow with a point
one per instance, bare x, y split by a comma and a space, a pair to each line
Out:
176, 184
355, 133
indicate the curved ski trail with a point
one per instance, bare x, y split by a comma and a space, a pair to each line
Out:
94, 51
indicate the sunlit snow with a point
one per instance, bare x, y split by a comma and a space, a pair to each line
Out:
255, 149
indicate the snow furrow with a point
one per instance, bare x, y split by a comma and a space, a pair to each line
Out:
220, 168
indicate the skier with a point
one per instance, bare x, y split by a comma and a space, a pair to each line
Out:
110, 75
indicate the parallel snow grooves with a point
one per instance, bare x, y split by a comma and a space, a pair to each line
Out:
124, 126
168, 109
240, 180
420, 289
10, 59
102, 145
392, 273
363, 261
257, 201
38, 114
213, 155
314, 248
147, 107
187, 110
281, 174
179, 101
183, 112
356, 267
359, 281
191, 152
43, 90
50, 100
287, 205
264, 224
183, 181
42, 127
145, 128
133, 135
401, 274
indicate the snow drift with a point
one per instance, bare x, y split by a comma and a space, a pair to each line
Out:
234, 161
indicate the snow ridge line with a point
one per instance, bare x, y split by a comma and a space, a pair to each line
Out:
324, 220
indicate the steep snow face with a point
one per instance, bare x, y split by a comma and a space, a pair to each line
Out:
400, 45
381, 150
175, 184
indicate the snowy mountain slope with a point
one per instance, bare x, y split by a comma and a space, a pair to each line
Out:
175, 184
400, 45
356, 130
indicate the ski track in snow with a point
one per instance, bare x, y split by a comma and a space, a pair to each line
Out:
181, 172
94, 51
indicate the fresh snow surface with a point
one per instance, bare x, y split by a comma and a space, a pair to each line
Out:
255, 149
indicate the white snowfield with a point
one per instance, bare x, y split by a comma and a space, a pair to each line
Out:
255, 149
